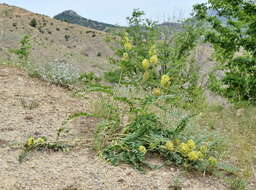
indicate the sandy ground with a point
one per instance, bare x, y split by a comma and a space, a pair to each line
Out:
30, 107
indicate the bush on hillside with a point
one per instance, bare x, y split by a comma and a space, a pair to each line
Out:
58, 72
33, 23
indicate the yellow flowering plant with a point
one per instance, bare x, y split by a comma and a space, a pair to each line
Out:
125, 56
154, 59
145, 65
194, 156
156, 91
41, 144
184, 148
127, 46
169, 145
165, 81
152, 51
191, 144
147, 60
142, 149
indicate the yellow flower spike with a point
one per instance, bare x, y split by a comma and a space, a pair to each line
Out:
143, 149
165, 81
128, 46
184, 148
40, 141
152, 50
125, 56
153, 59
204, 149
145, 64
30, 141
193, 156
169, 146
157, 91
213, 161
191, 144
146, 76
126, 39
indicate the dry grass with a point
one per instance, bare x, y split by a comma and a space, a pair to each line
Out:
238, 126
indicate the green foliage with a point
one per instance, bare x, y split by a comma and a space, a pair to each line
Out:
33, 23
145, 133
238, 184
235, 34
241, 78
23, 51
77, 115
104, 131
113, 76
151, 83
150, 58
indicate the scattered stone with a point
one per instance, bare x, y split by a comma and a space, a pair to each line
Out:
28, 117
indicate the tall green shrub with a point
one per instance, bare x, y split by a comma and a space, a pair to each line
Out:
232, 31
146, 56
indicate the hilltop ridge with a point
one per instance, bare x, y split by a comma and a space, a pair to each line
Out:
71, 16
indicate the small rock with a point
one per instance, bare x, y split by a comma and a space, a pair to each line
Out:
28, 117
121, 181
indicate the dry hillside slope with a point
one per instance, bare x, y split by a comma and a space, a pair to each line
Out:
52, 39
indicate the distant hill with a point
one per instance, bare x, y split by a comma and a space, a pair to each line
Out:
71, 16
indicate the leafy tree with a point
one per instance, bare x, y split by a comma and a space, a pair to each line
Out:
232, 31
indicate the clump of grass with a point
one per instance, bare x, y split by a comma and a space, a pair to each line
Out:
238, 183
113, 76
29, 104
238, 131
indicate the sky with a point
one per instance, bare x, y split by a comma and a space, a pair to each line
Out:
111, 11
